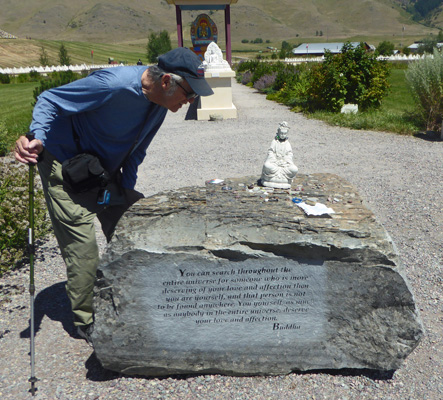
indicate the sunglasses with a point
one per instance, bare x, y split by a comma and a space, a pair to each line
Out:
189, 95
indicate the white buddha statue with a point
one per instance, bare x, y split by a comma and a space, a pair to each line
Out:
279, 169
214, 58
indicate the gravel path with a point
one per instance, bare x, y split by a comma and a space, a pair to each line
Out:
399, 178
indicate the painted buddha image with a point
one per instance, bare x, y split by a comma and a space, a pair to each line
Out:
204, 30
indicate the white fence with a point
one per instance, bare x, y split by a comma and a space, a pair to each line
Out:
48, 70
84, 67
397, 57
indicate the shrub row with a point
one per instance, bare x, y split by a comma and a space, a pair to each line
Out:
56, 79
32, 76
353, 76
266, 75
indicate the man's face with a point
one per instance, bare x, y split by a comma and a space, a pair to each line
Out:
180, 96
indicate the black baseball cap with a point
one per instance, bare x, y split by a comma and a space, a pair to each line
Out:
185, 63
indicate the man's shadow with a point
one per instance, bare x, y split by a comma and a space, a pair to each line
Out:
429, 136
191, 114
54, 303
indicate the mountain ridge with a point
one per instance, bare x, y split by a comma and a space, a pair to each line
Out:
117, 21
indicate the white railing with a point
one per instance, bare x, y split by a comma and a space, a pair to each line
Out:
397, 57
53, 68
85, 67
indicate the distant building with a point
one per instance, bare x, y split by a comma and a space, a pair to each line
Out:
414, 48
318, 49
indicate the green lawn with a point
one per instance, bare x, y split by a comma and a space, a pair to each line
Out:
399, 98
16, 108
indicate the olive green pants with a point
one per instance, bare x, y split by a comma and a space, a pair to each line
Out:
72, 216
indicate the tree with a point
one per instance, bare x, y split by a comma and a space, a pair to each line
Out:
427, 46
286, 46
425, 7
286, 50
44, 58
158, 44
406, 51
353, 76
385, 48
63, 56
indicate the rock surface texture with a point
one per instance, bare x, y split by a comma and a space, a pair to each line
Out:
234, 278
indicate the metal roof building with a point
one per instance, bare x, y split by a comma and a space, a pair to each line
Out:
415, 47
318, 49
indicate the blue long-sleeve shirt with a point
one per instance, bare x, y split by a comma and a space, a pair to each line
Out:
107, 110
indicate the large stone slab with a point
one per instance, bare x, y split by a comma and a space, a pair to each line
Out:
229, 279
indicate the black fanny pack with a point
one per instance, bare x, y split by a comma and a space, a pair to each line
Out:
85, 172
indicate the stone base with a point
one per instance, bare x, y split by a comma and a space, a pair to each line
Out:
226, 113
277, 185
220, 103
240, 281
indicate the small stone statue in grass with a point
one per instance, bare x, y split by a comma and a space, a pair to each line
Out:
279, 169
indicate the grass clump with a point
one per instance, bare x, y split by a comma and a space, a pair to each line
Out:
14, 214
372, 120
425, 78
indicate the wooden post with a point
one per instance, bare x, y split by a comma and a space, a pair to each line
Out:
228, 33
178, 13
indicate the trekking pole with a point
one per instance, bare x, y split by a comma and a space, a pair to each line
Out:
32, 379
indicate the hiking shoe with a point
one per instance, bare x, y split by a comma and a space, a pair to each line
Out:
85, 331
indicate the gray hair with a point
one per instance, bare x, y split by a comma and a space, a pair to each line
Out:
156, 74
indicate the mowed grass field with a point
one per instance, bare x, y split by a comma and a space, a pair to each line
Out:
26, 53
80, 52
16, 108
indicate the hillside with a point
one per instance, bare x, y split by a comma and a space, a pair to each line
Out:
119, 21
429, 12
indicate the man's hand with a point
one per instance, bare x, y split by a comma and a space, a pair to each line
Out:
27, 151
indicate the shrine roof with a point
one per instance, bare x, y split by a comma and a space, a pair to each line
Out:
202, 4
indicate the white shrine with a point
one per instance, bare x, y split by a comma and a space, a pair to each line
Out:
218, 74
